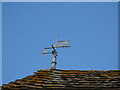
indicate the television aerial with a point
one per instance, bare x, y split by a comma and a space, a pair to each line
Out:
58, 44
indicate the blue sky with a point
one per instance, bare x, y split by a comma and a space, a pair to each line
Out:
28, 27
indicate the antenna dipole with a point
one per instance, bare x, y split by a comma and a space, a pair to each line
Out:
58, 44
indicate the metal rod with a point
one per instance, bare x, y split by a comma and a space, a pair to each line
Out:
54, 62
54, 52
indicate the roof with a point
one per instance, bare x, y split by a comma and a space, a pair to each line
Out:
68, 79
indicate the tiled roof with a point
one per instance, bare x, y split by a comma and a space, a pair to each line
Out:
68, 79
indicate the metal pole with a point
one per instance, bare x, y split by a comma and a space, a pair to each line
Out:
54, 62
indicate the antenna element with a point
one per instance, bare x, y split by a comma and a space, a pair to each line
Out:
58, 44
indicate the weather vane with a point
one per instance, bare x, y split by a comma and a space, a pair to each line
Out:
58, 44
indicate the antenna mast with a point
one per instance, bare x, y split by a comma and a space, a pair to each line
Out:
58, 44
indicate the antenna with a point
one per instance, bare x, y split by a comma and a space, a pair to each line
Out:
58, 44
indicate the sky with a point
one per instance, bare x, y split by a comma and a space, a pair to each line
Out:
60, 0
28, 27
